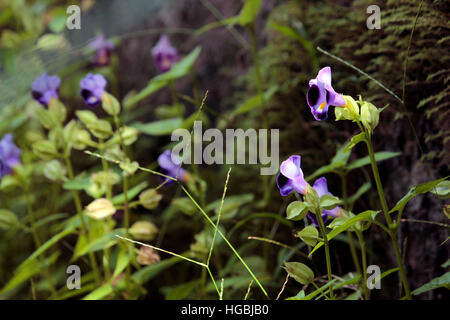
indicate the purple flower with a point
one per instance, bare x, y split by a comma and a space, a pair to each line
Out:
164, 54
44, 88
169, 167
9, 155
321, 95
320, 185
291, 176
92, 88
103, 50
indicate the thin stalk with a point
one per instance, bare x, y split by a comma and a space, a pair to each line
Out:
362, 242
106, 254
218, 217
392, 231
37, 240
349, 234
84, 228
225, 239
327, 251
173, 91
126, 205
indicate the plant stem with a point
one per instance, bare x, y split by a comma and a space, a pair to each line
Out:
173, 91
327, 250
349, 234
105, 167
392, 229
84, 228
36, 239
126, 205
364, 263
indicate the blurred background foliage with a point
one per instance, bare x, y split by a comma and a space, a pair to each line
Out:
33, 39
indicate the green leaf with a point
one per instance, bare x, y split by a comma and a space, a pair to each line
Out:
296, 210
300, 272
230, 204
122, 262
55, 171
8, 219
105, 241
379, 156
329, 202
388, 272
439, 282
185, 205
70, 229
102, 129
415, 191
309, 235
179, 292
255, 101
81, 182
341, 156
314, 293
110, 104
140, 276
224, 22
149, 272
159, 128
300, 295
291, 33
28, 269
87, 117
363, 189
249, 12
347, 282
366, 215
133, 192
354, 141
178, 70
57, 110
50, 218
45, 149
442, 190
325, 169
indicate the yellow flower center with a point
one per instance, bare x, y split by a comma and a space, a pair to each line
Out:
322, 106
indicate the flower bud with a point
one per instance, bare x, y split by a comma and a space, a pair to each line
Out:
370, 116
150, 198
312, 199
349, 111
309, 235
100, 209
143, 230
299, 271
147, 256
110, 104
